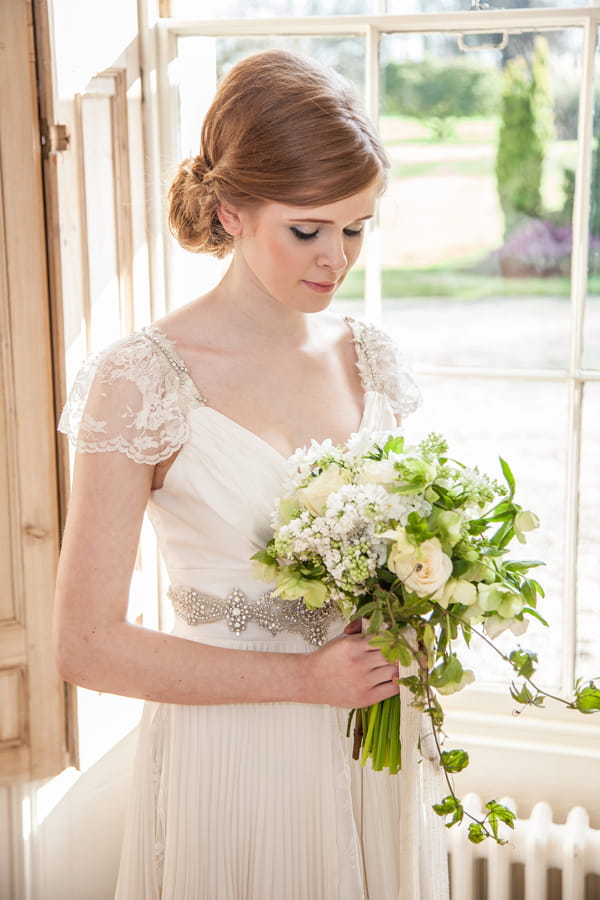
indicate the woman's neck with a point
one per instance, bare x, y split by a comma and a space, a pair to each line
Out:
243, 306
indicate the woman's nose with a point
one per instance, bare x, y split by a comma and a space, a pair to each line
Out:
333, 256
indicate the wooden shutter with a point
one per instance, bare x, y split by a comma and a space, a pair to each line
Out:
32, 700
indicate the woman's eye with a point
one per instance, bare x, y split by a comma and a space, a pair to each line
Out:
304, 235
309, 235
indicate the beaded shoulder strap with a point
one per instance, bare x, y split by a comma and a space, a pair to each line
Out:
168, 349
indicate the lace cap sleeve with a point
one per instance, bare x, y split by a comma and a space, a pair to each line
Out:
133, 397
383, 369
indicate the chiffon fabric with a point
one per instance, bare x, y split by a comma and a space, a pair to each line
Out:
251, 801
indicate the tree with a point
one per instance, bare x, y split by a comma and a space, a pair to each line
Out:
527, 125
438, 92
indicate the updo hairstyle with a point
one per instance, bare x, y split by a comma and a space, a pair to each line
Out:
282, 129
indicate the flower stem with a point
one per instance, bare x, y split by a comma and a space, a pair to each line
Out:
381, 737
395, 761
373, 716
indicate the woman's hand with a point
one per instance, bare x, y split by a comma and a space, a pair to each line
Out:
349, 672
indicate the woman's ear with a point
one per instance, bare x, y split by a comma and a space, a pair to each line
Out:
230, 220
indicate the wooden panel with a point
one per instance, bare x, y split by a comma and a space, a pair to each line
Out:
7, 594
32, 717
13, 707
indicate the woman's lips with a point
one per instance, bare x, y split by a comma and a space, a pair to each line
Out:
321, 287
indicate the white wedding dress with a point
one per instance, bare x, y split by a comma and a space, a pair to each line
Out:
250, 801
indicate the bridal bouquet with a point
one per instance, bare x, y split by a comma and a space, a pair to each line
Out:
415, 544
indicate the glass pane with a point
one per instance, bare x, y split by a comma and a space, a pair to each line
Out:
464, 237
591, 343
200, 63
254, 9
588, 566
525, 422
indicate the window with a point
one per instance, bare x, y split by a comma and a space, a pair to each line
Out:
496, 294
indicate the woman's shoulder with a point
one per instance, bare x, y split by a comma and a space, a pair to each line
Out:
134, 395
383, 367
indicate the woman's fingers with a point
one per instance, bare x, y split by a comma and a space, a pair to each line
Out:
349, 672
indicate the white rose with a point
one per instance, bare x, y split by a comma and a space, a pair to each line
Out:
377, 471
424, 569
314, 495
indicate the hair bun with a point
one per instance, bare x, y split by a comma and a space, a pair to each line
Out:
193, 218
195, 168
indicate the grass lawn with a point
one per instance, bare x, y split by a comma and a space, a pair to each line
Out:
401, 130
446, 282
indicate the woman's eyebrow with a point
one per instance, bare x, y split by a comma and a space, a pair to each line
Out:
329, 221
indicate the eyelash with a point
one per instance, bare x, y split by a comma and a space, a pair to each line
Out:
303, 236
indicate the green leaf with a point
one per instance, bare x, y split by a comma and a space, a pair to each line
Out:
376, 621
417, 527
467, 632
528, 593
393, 445
535, 614
538, 587
503, 536
523, 662
263, 556
364, 610
393, 647
454, 760
523, 565
508, 475
447, 671
499, 513
587, 699
476, 833
414, 684
501, 813
477, 526
522, 694
450, 806
384, 576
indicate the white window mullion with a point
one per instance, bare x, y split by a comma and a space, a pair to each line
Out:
167, 90
373, 247
579, 285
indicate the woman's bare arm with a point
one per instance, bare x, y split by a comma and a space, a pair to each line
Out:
97, 647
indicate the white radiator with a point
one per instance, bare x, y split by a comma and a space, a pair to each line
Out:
542, 861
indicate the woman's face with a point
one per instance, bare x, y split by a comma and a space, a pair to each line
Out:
299, 256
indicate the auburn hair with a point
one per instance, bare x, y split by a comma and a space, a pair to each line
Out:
282, 129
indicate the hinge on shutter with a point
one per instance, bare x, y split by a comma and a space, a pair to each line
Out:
54, 138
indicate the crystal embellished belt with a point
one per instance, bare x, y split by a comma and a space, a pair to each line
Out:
269, 611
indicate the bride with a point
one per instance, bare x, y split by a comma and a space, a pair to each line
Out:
243, 786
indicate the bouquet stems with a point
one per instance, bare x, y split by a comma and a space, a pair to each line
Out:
377, 735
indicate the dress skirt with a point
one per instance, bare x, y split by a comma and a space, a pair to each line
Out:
263, 802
